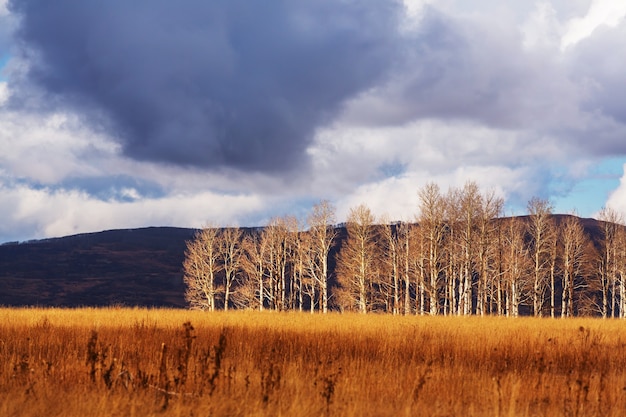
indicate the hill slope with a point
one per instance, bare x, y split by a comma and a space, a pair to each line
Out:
130, 267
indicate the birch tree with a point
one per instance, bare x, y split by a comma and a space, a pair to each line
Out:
253, 263
307, 264
200, 267
621, 269
469, 206
292, 225
419, 261
322, 236
433, 228
452, 248
553, 264
516, 262
389, 268
357, 256
300, 277
230, 251
406, 238
487, 251
278, 238
541, 239
574, 241
610, 260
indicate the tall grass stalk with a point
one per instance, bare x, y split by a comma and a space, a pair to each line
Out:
141, 362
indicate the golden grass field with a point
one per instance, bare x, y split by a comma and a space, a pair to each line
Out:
141, 362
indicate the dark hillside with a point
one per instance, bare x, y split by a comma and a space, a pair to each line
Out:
129, 267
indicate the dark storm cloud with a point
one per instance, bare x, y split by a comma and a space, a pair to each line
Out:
598, 64
221, 83
456, 68
458, 71
480, 70
600, 61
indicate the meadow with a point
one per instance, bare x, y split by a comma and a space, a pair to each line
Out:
156, 362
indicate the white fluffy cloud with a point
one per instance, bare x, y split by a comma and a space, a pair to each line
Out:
601, 13
46, 212
509, 99
522, 98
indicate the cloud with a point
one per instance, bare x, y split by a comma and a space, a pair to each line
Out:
270, 107
396, 198
4, 93
214, 85
506, 74
598, 63
385, 166
49, 149
48, 212
479, 68
210, 84
601, 12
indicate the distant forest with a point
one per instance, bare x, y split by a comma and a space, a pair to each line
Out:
459, 257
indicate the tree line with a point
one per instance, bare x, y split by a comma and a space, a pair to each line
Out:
460, 256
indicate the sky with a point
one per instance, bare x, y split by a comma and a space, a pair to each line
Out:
126, 114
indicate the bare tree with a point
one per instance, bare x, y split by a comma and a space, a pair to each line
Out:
621, 269
306, 265
542, 238
433, 229
389, 267
517, 264
470, 207
200, 267
245, 296
230, 251
279, 235
253, 263
458, 258
498, 290
553, 265
487, 251
300, 253
574, 241
610, 261
357, 257
322, 236
453, 251
406, 238
419, 261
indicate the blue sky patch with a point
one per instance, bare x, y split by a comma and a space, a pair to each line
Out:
4, 59
118, 188
587, 195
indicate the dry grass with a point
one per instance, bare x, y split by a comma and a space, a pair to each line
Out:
137, 362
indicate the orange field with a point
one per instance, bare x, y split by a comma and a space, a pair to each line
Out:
140, 362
